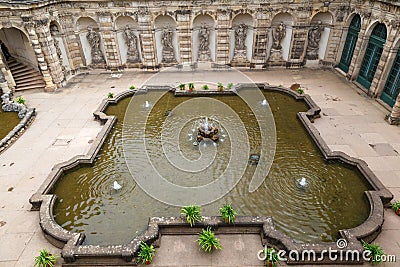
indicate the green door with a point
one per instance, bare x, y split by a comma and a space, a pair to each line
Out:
372, 55
392, 86
350, 44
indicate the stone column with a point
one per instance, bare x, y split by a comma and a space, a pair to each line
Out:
184, 36
109, 38
333, 44
394, 117
33, 37
72, 42
260, 45
147, 40
223, 38
49, 52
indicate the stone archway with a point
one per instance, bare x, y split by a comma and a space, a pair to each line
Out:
318, 35
280, 37
93, 53
166, 39
128, 41
241, 47
21, 68
203, 28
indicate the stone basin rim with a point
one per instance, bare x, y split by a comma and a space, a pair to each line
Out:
71, 243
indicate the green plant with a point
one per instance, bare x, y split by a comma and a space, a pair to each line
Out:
110, 95
192, 214
20, 100
228, 213
146, 253
45, 259
375, 252
132, 87
396, 207
182, 86
191, 85
208, 241
205, 87
300, 91
271, 257
229, 86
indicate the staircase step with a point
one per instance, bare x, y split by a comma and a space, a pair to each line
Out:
19, 69
30, 87
24, 73
26, 83
31, 77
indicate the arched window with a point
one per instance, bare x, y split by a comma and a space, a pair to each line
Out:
350, 44
392, 86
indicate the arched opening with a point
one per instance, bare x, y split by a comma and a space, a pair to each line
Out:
166, 39
203, 38
20, 58
350, 44
318, 35
90, 41
242, 38
128, 40
392, 85
372, 55
55, 31
280, 37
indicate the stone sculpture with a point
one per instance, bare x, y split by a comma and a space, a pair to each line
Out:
94, 41
9, 105
277, 36
314, 37
204, 43
240, 41
168, 55
131, 42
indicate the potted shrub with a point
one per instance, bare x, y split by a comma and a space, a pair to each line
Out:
191, 87
396, 207
271, 257
110, 95
20, 100
375, 252
146, 253
208, 241
228, 213
132, 87
205, 87
191, 213
182, 86
45, 259
220, 87
229, 86
300, 91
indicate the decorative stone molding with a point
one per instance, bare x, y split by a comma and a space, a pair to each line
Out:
74, 252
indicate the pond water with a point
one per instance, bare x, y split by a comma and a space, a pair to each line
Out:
333, 198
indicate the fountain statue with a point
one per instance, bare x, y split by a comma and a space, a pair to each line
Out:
207, 130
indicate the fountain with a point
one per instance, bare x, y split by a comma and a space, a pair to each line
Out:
116, 186
147, 104
303, 182
264, 102
207, 130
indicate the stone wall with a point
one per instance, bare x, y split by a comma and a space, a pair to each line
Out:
313, 33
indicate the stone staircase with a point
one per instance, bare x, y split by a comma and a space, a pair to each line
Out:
25, 77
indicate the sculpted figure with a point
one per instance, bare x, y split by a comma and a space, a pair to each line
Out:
314, 36
168, 55
93, 38
204, 43
278, 35
240, 37
131, 42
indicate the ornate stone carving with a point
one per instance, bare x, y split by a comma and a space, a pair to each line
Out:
277, 36
131, 42
314, 36
168, 54
93, 38
240, 42
204, 43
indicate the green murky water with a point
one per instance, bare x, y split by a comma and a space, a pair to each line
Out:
8, 120
333, 200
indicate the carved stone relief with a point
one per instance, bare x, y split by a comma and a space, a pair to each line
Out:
314, 37
240, 42
204, 43
131, 41
277, 36
93, 38
168, 54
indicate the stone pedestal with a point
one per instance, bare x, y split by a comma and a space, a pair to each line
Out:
204, 55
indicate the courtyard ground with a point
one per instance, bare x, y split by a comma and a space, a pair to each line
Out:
64, 127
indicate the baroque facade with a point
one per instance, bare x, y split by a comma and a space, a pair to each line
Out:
60, 38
